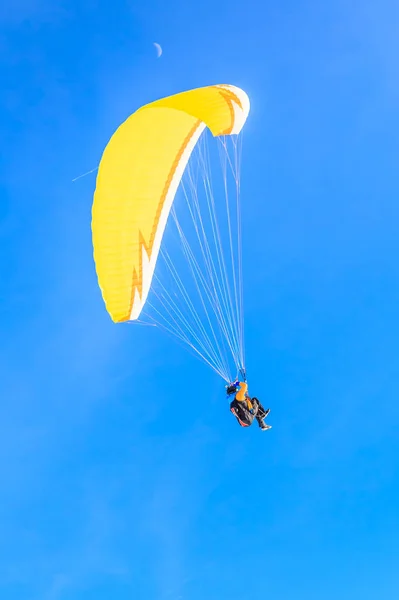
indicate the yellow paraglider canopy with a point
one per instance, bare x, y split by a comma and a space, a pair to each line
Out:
138, 176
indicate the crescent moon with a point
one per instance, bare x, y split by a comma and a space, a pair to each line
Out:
158, 48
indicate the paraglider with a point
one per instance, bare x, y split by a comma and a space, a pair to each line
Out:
245, 408
141, 172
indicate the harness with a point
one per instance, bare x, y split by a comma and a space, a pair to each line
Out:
244, 411
233, 410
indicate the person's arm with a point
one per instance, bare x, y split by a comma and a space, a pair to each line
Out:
242, 391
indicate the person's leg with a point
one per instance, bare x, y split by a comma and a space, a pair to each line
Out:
261, 414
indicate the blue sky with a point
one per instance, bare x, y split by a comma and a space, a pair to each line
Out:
102, 495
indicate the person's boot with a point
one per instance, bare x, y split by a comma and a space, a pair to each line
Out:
264, 426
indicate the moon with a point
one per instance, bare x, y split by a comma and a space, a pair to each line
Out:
158, 48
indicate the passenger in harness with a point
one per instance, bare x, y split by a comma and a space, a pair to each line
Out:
244, 408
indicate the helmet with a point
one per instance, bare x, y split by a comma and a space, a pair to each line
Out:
231, 389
